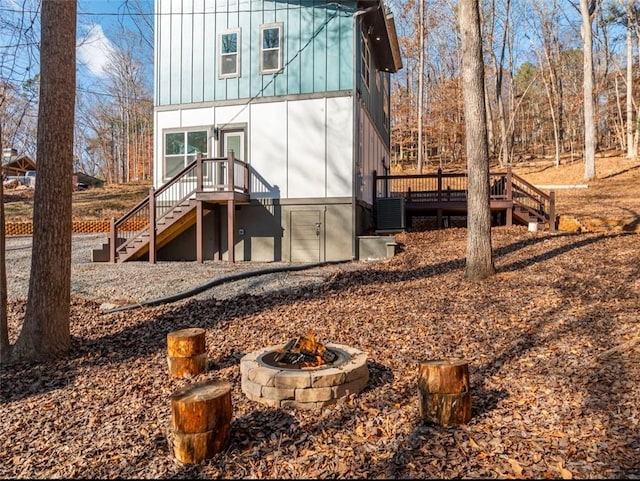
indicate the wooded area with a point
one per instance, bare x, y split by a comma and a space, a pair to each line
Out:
533, 59
533, 81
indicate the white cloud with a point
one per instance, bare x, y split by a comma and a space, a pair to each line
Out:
94, 50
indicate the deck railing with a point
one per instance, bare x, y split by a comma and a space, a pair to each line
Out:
452, 187
201, 175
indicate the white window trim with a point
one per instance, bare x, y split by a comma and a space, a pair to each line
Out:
266, 26
238, 54
365, 59
183, 131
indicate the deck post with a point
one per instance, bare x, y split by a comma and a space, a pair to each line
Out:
231, 245
217, 226
509, 194
199, 172
231, 172
112, 240
199, 231
374, 197
439, 184
152, 226
552, 211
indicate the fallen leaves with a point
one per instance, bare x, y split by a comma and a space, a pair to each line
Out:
546, 400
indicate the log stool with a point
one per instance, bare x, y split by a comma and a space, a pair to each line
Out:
443, 392
186, 354
200, 420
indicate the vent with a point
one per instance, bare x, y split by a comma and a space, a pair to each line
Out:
390, 214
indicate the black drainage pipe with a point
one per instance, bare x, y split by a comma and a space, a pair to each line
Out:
220, 280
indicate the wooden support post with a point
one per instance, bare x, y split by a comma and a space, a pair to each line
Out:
199, 232
231, 225
112, 240
201, 420
443, 392
152, 226
552, 211
218, 231
186, 354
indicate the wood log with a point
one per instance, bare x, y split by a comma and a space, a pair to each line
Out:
186, 342
443, 392
186, 354
201, 420
187, 366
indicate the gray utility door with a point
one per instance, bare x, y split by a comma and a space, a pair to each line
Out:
305, 235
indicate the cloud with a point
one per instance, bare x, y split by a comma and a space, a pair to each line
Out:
94, 50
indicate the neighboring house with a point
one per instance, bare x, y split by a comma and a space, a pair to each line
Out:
299, 90
17, 165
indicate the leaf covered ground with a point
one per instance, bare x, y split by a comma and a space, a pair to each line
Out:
552, 341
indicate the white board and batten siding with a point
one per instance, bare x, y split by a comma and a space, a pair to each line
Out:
296, 148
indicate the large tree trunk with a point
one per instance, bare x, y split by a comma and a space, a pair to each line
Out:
45, 332
631, 151
586, 10
4, 328
479, 258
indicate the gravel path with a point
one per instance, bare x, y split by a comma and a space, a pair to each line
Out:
135, 282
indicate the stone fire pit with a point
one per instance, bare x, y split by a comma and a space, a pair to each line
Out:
264, 381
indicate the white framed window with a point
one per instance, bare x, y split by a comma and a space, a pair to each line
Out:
271, 39
365, 62
229, 54
181, 147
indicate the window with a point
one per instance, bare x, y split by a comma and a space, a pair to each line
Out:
271, 48
385, 98
180, 149
365, 60
229, 54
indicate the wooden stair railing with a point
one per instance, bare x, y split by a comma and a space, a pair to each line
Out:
139, 227
532, 204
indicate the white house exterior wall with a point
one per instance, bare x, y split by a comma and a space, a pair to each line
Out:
296, 148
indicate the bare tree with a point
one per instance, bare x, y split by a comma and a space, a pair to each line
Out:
587, 9
45, 331
479, 256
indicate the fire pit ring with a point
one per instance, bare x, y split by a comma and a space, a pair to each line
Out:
263, 381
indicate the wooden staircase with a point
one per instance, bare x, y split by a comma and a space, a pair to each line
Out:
169, 211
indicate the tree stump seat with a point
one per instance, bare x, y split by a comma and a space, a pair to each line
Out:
186, 354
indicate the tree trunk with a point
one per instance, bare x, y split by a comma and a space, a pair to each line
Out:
443, 392
479, 264
586, 10
45, 332
420, 84
631, 153
4, 328
201, 420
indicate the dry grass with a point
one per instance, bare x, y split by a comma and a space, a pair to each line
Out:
91, 204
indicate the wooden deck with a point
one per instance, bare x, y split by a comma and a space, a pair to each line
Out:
512, 198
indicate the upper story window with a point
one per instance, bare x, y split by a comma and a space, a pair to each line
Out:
229, 54
365, 61
180, 149
271, 48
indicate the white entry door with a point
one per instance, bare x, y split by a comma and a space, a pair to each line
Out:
232, 140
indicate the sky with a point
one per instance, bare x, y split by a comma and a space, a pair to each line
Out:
99, 23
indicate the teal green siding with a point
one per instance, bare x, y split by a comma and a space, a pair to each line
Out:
317, 48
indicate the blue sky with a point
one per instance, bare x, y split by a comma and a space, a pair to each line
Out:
99, 24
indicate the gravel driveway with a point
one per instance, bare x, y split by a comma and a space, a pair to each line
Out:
135, 282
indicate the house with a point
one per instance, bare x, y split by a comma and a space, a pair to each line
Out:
16, 165
297, 91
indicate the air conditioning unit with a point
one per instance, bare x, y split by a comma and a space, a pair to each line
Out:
390, 214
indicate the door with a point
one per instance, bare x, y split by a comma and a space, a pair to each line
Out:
305, 235
232, 140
